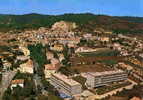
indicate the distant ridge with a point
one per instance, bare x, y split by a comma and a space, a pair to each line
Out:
85, 21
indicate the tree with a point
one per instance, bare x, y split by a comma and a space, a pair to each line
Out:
1, 64
38, 53
48, 86
29, 88
7, 94
42, 97
17, 93
82, 42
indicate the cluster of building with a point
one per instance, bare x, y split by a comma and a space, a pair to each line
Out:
53, 66
61, 35
65, 84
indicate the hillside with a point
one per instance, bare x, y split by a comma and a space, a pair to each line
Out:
86, 22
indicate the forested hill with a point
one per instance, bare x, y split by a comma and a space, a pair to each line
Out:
132, 19
86, 22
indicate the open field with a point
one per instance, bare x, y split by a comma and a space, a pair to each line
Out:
99, 53
91, 68
77, 61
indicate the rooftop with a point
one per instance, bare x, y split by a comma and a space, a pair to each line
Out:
17, 81
66, 79
30, 63
105, 73
55, 61
51, 67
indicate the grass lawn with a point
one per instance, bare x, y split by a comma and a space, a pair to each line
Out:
53, 97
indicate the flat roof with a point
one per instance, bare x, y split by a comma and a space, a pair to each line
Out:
105, 73
66, 79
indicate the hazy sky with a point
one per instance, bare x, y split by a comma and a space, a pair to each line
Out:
110, 7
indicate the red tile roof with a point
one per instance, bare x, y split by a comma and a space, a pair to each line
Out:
51, 67
17, 81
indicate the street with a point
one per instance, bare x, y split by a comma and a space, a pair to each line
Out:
37, 78
6, 80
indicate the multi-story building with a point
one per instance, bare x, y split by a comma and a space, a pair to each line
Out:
27, 67
138, 70
57, 47
25, 50
50, 69
49, 55
65, 84
103, 78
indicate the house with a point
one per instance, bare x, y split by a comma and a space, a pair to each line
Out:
84, 49
125, 66
117, 46
27, 67
57, 47
141, 55
17, 82
108, 32
61, 57
71, 40
50, 69
6, 64
22, 58
24, 50
49, 55
87, 36
104, 39
55, 62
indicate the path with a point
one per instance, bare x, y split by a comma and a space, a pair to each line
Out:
6, 80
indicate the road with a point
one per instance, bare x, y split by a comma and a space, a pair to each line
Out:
6, 80
37, 78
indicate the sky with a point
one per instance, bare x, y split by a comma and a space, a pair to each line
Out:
56, 7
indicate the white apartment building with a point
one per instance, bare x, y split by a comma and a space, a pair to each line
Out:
65, 85
103, 78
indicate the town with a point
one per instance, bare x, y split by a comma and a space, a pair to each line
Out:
62, 63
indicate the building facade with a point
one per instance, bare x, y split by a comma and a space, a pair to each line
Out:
49, 70
27, 67
103, 78
65, 85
